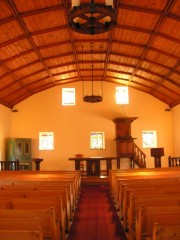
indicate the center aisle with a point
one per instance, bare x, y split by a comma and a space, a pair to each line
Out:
95, 217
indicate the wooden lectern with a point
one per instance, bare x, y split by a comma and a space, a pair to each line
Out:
37, 162
157, 153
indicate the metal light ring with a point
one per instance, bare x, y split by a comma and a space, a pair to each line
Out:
92, 98
97, 8
92, 9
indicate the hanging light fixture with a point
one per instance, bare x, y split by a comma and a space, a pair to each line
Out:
93, 98
92, 18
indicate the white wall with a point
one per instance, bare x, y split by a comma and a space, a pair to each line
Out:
176, 130
72, 124
5, 129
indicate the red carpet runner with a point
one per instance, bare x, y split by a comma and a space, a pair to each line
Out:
95, 217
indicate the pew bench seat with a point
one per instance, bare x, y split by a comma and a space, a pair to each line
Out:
161, 232
21, 234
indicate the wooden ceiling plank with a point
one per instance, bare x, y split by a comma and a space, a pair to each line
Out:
27, 34
42, 10
134, 44
167, 8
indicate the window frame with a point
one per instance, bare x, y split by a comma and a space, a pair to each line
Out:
68, 96
149, 139
100, 133
51, 135
122, 95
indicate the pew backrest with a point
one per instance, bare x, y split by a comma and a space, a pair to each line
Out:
50, 227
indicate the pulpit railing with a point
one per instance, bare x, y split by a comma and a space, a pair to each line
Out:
174, 161
139, 157
9, 165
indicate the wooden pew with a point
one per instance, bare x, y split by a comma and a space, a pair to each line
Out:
50, 229
148, 192
142, 183
140, 173
21, 234
148, 201
132, 188
36, 204
20, 224
64, 187
39, 180
159, 173
149, 195
44, 175
151, 189
147, 216
57, 181
42, 193
39, 183
161, 232
127, 186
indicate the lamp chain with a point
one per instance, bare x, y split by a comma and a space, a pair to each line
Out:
92, 68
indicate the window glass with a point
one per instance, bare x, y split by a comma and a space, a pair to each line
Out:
149, 139
122, 95
97, 140
68, 96
46, 141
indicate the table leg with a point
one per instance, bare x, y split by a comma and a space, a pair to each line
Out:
77, 164
157, 162
118, 163
108, 165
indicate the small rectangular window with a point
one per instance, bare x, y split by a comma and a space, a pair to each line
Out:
149, 139
97, 140
46, 141
122, 95
68, 96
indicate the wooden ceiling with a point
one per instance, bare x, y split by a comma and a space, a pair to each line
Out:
38, 49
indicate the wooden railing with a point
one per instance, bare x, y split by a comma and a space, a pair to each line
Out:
139, 157
174, 161
9, 165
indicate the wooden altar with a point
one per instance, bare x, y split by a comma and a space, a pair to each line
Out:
93, 164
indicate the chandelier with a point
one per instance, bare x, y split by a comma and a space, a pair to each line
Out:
92, 18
